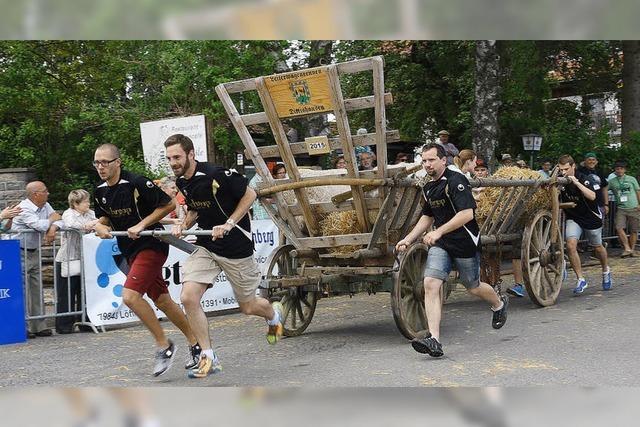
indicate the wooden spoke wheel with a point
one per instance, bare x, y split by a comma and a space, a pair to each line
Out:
299, 304
407, 295
542, 260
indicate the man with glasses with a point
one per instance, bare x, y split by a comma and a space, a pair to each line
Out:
133, 203
37, 215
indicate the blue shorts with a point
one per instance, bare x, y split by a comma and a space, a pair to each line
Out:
574, 231
439, 264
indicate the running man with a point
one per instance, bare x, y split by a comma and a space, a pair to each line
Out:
219, 200
585, 217
132, 203
449, 204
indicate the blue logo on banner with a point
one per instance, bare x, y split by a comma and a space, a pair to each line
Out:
13, 327
106, 255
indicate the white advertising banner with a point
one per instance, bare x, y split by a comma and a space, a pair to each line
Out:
104, 280
154, 134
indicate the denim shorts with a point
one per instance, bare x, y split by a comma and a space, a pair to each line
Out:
439, 264
574, 231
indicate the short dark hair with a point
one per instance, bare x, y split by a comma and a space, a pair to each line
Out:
620, 164
439, 149
183, 140
565, 158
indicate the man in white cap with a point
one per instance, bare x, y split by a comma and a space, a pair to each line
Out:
506, 160
451, 150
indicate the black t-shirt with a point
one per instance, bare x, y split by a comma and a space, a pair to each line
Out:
133, 198
444, 198
586, 213
210, 189
598, 179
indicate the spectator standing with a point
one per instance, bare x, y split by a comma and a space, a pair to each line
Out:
449, 148
506, 160
401, 158
627, 193
168, 185
81, 218
545, 172
36, 215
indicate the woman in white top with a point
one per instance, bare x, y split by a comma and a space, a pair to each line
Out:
79, 219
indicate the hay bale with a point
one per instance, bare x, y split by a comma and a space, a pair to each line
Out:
339, 223
541, 199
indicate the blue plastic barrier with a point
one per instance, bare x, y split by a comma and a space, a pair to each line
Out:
12, 319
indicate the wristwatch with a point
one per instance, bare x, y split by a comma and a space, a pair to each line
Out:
232, 222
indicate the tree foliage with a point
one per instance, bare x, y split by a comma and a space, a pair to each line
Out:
61, 99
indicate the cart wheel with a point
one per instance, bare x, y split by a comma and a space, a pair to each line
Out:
542, 260
299, 305
407, 295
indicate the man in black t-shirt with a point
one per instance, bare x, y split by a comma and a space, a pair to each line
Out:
585, 217
132, 203
219, 200
598, 179
449, 205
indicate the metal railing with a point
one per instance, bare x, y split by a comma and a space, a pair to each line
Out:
609, 224
35, 257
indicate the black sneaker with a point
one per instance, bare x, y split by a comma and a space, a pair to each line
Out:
164, 359
428, 345
500, 316
193, 357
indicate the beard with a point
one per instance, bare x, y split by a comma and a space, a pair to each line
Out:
182, 169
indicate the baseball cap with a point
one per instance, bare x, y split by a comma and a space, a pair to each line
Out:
506, 156
591, 154
443, 132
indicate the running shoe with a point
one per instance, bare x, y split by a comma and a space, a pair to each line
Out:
193, 357
205, 367
275, 331
517, 290
164, 359
428, 345
500, 316
580, 287
606, 281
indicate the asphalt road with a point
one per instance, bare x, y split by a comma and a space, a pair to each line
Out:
590, 340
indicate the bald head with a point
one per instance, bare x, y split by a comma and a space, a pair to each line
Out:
111, 149
34, 187
37, 192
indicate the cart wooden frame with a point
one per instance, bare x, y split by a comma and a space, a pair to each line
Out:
304, 269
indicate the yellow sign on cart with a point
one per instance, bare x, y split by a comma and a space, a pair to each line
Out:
300, 92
